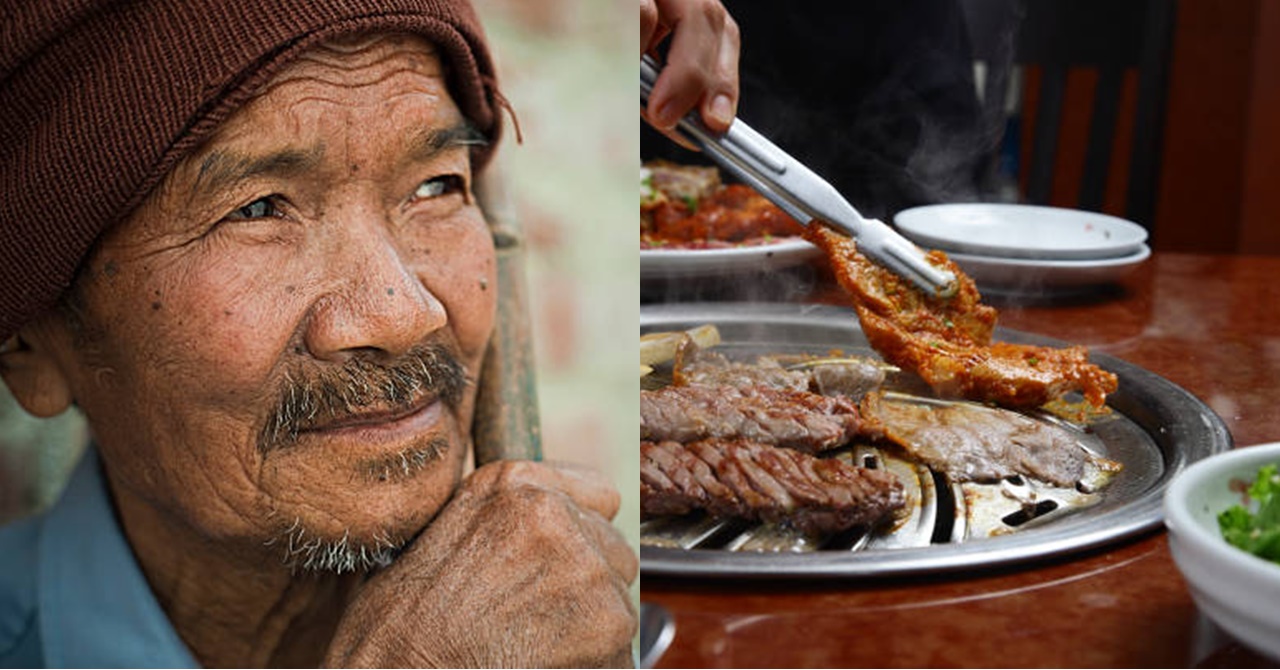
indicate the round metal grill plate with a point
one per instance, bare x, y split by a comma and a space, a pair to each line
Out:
1156, 429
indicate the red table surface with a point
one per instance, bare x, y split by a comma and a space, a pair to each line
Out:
1208, 323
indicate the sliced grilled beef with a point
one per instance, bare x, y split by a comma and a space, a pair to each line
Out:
853, 377
850, 375
759, 482
795, 419
695, 366
979, 443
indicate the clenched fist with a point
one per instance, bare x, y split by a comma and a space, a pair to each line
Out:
521, 569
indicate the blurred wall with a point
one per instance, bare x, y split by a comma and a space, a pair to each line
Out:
569, 69
1222, 141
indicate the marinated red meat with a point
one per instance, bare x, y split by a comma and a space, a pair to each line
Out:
734, 213
687, 207
947, 342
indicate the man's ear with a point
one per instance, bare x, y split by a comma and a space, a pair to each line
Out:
32, 373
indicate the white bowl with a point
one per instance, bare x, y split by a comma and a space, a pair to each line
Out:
1237, 590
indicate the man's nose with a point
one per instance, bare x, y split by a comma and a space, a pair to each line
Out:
377, 303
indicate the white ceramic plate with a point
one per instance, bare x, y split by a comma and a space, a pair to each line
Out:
1021, 231
1027, 276
1237, 590
681, 263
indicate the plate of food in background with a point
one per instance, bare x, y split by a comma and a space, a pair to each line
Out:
693, 224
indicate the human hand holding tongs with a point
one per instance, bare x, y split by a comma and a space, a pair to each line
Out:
801, 193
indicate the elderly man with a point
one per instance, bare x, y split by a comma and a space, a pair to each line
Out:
241, 237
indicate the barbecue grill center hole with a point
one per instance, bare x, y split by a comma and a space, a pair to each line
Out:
1030, 512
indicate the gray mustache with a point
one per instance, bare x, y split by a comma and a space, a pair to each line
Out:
312, 398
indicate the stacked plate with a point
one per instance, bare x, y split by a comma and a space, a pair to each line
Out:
1029, 249
696, 263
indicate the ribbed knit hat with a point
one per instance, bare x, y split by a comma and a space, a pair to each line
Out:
100, 99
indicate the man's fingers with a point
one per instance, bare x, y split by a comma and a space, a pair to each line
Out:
613, 546
521, 568
586, 495
587, 488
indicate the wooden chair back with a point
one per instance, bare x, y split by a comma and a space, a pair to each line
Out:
1049, 38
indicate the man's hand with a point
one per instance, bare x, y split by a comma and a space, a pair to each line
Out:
702, 63
521, 569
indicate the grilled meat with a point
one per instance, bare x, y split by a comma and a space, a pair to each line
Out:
758, 482
853, 377
948, 341
849, 376
971, 442
670, 181
688, 207
734, 213
795, 419
695, 366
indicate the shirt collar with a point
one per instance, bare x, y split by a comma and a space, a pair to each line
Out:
96, 608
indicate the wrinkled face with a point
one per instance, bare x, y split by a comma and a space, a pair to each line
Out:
283, 341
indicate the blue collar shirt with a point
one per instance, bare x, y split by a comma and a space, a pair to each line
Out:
73, 595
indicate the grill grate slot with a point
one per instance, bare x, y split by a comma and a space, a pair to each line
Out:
945, 524
1028, 513
696, 531
853, 539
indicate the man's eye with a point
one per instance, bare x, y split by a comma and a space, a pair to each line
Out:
262, 208
433, 188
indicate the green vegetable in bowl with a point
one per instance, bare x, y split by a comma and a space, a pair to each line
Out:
1257, 532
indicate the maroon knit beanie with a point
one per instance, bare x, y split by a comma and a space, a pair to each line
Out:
100, 99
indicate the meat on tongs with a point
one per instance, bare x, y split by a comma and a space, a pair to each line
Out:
947, 341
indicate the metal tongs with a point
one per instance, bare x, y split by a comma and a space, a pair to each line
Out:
805, 196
